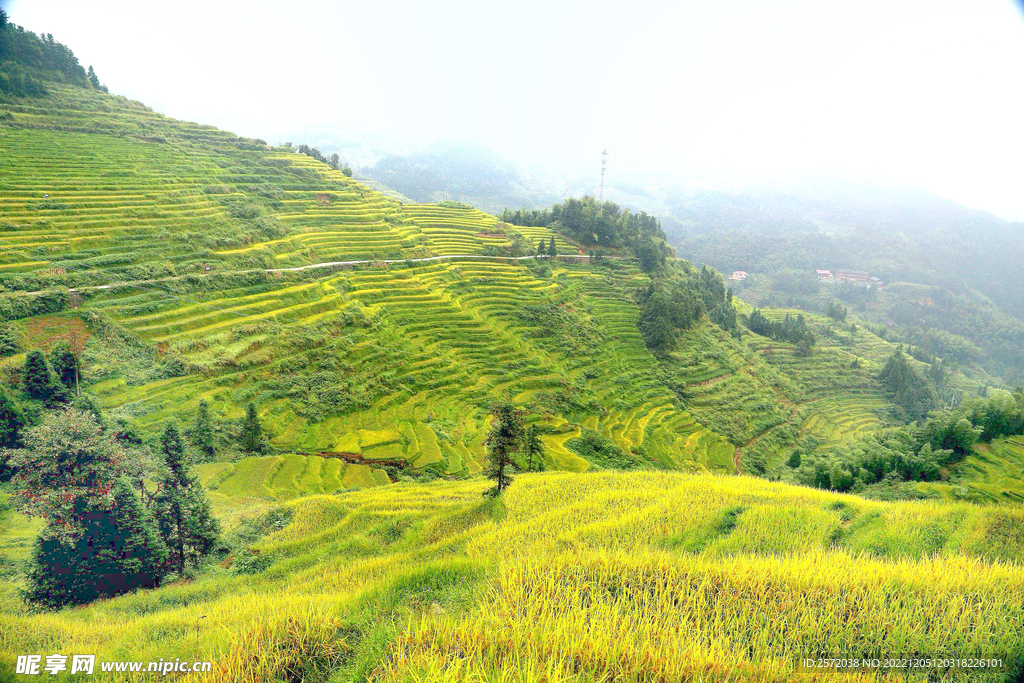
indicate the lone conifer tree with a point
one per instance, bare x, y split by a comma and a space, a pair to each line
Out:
36, 376
11, 421
504, 439
551, 248
201, 434
534, 450
252, 431
540, 247
64, 363
8, 341
182, 510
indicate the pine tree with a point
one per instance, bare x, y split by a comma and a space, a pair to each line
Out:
534, 450
182, 510
64, 363
8, 341
36, 376
504, 439
173, 450
12, 420
540, 247
119, 550
551, 248
201, 434
252, 432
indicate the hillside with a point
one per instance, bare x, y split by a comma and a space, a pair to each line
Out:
175, 236
964, 259
953, 269
429, 582
252, 413
186, 246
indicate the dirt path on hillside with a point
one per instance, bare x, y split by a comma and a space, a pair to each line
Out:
737, 457
296, 269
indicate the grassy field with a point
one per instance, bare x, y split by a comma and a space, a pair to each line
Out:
569, 577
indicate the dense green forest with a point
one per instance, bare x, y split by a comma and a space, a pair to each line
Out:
28, 62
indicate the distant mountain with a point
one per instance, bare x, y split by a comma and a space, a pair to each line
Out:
461, 171
898, 233
968, 260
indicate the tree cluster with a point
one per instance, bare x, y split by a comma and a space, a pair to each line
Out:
792, 329
105, 532
50, 379
902, 454
914, 452
671, 305
334, 161
601, 224
836, 311
28, 61
911, 393
548, 249
511, 446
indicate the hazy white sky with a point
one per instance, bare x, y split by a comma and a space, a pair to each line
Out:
923, 91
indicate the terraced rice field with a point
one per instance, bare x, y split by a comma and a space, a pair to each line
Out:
282, 477
96, 184
450, 336
392, 364
836, 388
385, 364
993, 474
652, 575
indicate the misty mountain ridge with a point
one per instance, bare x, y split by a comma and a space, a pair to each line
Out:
461, 171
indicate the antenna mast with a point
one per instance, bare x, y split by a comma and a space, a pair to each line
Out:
604, 163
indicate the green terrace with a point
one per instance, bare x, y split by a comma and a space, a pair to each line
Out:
422, 350
377, 364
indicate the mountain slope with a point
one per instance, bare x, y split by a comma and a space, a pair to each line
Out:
960, 264
177, 240
184, 225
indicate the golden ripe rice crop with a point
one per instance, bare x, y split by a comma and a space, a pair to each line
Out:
601, 576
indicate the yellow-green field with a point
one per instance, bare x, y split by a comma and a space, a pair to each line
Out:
568, 577
994, 473
378, 364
